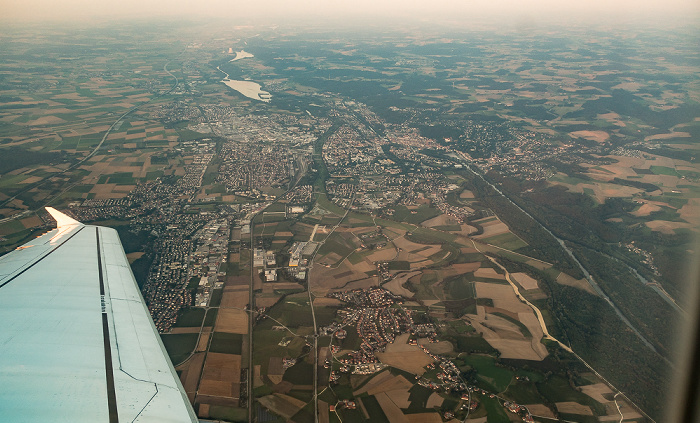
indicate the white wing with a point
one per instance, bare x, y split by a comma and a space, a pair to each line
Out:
77, 342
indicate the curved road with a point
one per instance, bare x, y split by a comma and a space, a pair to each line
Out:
548, 336
585, 272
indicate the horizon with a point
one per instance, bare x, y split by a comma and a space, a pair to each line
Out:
533, 12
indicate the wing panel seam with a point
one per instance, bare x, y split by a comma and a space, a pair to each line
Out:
43, 257
109, 371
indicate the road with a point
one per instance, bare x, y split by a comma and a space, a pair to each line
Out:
537, 311
251, 319
585, 272
83, 160
313, 314
548, 336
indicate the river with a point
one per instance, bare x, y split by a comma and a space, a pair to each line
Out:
249, 89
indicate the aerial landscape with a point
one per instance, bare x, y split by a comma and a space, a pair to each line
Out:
406, 222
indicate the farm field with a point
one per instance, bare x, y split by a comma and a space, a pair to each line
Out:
408, 223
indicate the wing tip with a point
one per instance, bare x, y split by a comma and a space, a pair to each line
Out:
62, 220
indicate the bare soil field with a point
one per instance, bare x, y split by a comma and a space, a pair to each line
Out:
404, 356
257, 379
46, 120
323, 412
361, 284
598, 136
325, 302
132, 257
330, 258
391, 410
421, 263
234, 297
489, 273
466, 194
203, 341
124, 188
266, 300
390, 384
494, 310
627, 411
237, 281
376, 381
414, 252
385, 254
460, 269
493, 228
440, 220
524, 280
31, 180
502, 296
505, 335
646, 209
103, 190
399, 397
31, 222
185, 330
510, 348
583, 284
424, 418
221, 376
691, 211
605, 191
434, 400
232, 321
533, 325
284, 405
574, 408
324, 279
540, 410
666, 227
191, 372
597, 391
466, 230
396, 285
203, 411
666, 181
440, 347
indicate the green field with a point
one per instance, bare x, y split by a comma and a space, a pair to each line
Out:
210, 318
496, 378
558, 389
338, 244
300, 374
374, 409
663, 170
227, 343
415, 216
191, 317
508, 240
232, 414
179, 346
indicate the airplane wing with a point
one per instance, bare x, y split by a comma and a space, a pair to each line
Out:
77, 342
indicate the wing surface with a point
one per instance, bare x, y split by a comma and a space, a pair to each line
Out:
77, 342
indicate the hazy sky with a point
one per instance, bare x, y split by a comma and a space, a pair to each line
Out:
274, 10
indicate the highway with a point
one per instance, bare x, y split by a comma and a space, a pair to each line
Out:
585, 272
548, 336
81, 161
